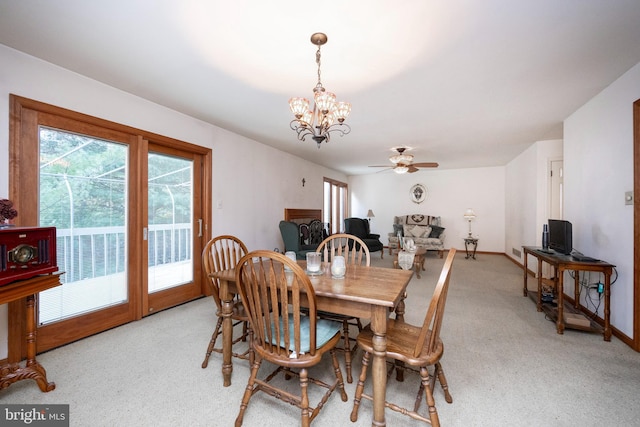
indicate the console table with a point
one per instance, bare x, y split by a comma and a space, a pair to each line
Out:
560, 264
12, 371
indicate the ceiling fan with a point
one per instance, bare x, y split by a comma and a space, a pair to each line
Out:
403, 163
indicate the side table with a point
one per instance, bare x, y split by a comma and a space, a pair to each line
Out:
474, 243
418, 261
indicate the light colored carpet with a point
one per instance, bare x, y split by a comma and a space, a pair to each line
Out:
504, 363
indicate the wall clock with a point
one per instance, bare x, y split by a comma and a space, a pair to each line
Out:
418, 193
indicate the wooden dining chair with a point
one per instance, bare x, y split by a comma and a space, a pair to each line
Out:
355, 252
223, 253
419, 347
284, 334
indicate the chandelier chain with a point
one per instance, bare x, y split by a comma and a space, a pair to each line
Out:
319, 85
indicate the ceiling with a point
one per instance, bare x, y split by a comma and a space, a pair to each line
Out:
465, 83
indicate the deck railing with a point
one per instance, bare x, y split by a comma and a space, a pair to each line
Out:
86, 253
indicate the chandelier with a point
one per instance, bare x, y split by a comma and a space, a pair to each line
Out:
327, 115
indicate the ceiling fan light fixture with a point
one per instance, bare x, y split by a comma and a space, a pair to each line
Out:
321, 121
401, 169
401, 158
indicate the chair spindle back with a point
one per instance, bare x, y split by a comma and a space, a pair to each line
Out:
221, 253
270, 296
435, 312
353, 249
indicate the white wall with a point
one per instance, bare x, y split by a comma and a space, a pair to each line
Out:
253, 193
598, 162
527, 197
449, 193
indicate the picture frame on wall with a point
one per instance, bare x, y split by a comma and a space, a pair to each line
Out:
418, 193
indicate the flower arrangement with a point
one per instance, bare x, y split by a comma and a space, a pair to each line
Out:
7, 211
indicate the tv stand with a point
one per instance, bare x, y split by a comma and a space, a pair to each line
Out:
560, 264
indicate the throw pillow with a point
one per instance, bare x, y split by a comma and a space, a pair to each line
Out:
416, 231
436, 231
304, 234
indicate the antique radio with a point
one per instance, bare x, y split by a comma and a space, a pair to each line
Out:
26, 252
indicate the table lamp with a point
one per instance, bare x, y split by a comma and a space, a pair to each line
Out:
370, 215
469, 215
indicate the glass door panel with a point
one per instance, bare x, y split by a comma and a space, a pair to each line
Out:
83, 193
170, 222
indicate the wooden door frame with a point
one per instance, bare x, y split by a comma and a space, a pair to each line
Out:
636, 225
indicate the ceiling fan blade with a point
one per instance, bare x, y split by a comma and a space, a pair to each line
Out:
412, 169
426, 165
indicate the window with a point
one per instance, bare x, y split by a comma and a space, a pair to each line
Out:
335, 204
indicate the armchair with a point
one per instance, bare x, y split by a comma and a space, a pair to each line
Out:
290, 232
360, 228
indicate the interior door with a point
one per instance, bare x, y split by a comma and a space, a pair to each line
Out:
556, 188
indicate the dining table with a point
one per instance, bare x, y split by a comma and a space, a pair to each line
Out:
365, 292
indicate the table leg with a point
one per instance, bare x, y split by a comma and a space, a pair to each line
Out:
227, 332
607, 302
417, 266
12, 372
526, 275
379, 317
401, 308
539, 303
560, 320
576, 289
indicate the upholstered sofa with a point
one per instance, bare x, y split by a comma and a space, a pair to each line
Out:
425, 230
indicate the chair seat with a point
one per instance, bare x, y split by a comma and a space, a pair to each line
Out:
325, 330
401, 342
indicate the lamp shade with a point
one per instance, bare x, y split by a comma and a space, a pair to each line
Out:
469, 214
370, 214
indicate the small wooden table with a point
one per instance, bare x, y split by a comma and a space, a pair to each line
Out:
418, 260
560, 264
364, 292
12, 372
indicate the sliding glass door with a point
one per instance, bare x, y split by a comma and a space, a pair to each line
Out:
83, 193
130, 209
172, 226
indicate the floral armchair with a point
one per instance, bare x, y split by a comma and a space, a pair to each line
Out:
426, 232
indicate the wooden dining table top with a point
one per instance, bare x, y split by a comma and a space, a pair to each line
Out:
363, 284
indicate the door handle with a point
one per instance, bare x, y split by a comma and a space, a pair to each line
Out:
200, 227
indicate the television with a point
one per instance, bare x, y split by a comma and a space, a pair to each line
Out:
560, 236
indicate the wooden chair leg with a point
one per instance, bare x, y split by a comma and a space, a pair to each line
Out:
433, 413
443, 382
212, 343
248, 392
338, 372
304, 399
347, 349
360, 388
